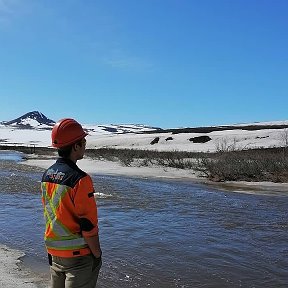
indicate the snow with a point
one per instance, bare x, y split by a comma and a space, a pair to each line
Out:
99, 138
118, 129
115, 168
24, 137
240, 138
133, 136
33, 123
272, 123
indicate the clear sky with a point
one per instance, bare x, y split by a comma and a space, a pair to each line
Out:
165, 63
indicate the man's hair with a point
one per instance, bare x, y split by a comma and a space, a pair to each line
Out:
65, 152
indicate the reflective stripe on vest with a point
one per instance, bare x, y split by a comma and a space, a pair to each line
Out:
50, 210
72, 241
66, 244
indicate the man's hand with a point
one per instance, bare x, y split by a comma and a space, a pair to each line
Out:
94, 245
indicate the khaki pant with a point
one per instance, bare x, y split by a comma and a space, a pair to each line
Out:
77, 272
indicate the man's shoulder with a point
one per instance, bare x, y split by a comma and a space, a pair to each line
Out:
64, 172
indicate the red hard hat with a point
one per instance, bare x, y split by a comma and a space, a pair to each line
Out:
66, 132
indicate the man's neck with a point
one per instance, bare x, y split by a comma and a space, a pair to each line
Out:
73, 158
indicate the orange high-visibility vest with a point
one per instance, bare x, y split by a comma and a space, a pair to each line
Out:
68, 201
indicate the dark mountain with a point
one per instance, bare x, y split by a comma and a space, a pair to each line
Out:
32, 119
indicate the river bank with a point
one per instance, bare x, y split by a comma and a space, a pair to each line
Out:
92, 166
14, 273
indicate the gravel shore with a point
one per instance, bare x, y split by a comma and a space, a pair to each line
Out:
14, 274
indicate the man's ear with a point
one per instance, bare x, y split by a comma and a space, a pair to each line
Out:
74, 147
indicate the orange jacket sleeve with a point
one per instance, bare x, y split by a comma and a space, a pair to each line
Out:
85, 206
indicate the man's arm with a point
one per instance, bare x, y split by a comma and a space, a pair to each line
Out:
94, 245
86, 208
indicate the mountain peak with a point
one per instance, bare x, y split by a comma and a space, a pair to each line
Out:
33, 119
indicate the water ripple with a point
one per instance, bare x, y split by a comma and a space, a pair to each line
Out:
164, 233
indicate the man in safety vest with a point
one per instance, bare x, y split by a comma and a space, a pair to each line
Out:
70, 212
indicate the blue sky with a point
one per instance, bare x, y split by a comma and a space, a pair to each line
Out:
165, 63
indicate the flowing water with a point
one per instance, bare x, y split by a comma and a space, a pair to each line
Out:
157, 233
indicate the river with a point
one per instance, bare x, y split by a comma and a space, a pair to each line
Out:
164, 233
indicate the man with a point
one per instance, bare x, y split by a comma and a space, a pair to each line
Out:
70, 212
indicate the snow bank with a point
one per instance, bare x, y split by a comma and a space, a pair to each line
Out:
98, 138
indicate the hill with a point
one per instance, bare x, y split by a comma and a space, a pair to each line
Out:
31, 120
34, 129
